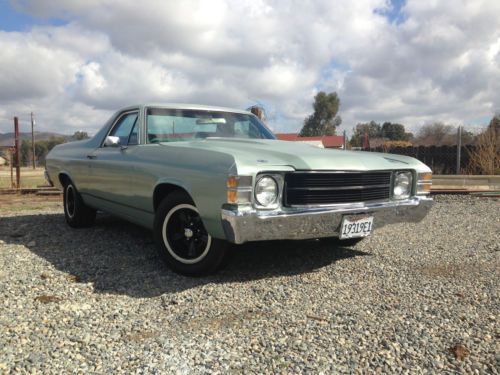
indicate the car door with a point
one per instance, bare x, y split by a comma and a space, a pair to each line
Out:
112, 168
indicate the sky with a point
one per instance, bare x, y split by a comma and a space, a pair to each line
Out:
73, 63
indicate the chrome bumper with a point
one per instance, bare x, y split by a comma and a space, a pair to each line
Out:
243, 225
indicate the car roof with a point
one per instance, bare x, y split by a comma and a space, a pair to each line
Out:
186, 106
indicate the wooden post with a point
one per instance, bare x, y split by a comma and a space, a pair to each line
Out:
18, 170
33, 138
459, 148
11, 162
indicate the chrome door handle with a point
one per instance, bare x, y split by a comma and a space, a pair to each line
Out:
90, 156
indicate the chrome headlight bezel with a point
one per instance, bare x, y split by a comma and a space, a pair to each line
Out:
402, 185
273, 187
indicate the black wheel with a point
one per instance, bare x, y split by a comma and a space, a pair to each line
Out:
77, 214
338, 242
182, 240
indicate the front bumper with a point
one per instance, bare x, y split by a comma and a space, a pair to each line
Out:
243, 225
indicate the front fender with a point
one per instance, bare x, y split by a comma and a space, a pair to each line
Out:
208, 193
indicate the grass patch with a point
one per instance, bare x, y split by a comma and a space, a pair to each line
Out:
29, 178
28, 202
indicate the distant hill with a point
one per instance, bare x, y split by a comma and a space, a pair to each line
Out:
7, 139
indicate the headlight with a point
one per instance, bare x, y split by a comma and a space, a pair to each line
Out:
266, 191
402, 185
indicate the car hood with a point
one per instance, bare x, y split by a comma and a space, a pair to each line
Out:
300, 156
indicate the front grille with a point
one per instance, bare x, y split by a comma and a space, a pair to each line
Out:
315, 188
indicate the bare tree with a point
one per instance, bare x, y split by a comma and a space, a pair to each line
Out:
435, 134
485, 159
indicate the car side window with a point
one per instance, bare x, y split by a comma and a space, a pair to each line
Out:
126, 129
133, 139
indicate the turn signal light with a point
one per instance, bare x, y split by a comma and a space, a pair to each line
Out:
422, 177
425, 188
424, 183
232, 182
232, 196
239, 189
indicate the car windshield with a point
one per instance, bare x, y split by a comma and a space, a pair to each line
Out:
175, 125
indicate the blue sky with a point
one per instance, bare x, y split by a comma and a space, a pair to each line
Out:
13, 20
394, 13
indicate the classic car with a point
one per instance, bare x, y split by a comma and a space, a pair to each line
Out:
203, 177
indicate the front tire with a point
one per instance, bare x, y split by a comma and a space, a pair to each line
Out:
76, 213
182, 240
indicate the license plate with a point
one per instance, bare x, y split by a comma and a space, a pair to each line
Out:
356, 226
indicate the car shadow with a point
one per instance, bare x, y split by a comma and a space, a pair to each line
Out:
120, 258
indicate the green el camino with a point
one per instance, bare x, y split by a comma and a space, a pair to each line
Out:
202, 177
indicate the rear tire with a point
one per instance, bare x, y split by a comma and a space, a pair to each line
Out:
182, 240
76, 213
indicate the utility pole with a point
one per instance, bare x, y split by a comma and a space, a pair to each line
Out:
345, 143
459, 147
18, 170
33, 138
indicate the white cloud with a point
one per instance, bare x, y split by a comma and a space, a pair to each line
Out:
32, 69
441, 63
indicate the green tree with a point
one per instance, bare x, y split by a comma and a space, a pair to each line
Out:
324, 120
25, 152
41, 151
54, 141
395, 132
79, 135
373, 129
42, 148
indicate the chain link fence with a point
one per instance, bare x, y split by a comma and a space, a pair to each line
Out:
441, 159
480, 154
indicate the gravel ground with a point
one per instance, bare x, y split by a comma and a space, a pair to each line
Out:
419, 298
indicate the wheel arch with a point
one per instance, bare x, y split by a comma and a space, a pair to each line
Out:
64, 178
163, 189
201, 195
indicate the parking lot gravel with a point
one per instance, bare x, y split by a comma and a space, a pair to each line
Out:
412, 298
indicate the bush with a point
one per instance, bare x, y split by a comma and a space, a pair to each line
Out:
387, 145
485, 159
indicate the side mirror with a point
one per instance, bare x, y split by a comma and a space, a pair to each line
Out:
112, 141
